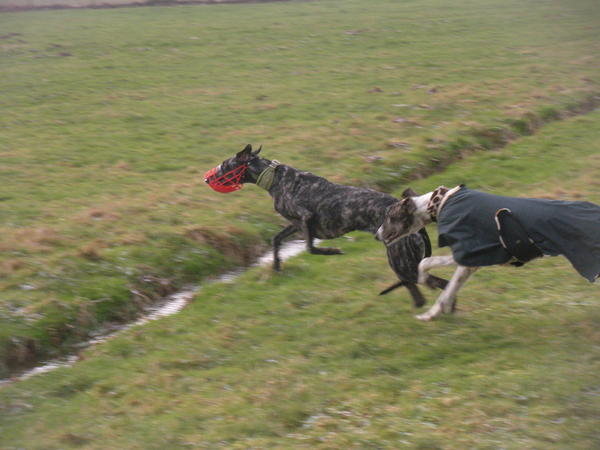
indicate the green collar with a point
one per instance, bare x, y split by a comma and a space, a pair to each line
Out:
265, 179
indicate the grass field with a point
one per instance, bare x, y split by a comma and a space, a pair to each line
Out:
312, 358
33, 5
110, 117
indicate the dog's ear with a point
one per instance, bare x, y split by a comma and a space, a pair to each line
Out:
245, 154
408, 192
257, 151
408, 206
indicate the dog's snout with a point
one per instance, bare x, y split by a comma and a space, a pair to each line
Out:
378, 234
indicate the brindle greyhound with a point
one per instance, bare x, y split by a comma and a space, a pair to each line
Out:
484, 229
324, 210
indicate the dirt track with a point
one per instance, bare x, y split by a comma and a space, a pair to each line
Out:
108, 5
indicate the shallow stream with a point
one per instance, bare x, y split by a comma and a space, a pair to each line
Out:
167, 307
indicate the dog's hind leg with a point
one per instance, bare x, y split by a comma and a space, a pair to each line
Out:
309, 238
445, 302
277, 240
417, 297
432, 281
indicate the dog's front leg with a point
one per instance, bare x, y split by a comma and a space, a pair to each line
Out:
277, 241
445, 302
427, 264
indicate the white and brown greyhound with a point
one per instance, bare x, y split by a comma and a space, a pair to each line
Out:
484, 229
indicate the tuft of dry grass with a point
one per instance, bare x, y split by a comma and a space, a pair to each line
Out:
92, 250
11, 266
30, 240
105, 213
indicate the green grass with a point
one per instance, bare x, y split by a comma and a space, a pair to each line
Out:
111, 117
312, 358
26, 5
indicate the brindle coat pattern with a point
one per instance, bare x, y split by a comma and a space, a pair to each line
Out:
398, 219
321, 209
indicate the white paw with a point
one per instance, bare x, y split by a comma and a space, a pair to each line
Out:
433, 312
426, 317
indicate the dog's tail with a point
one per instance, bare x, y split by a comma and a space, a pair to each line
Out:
418, 298
392, 287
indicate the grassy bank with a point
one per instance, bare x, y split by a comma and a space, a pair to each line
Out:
312, 358
110, 118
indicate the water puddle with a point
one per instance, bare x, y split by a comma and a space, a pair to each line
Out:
169, 306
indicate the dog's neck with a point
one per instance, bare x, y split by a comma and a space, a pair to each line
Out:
262, 172
422, 204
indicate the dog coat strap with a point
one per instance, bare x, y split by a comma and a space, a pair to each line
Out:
265, 179
514, 237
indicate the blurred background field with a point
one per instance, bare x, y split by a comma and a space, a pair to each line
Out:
30, 5
110, 117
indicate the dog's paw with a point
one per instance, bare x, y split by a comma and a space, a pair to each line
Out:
433, 312
326, 251
426, 317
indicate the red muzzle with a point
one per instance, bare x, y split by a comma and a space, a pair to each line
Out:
228, 182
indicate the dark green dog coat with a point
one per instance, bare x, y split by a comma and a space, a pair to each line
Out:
466, 223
